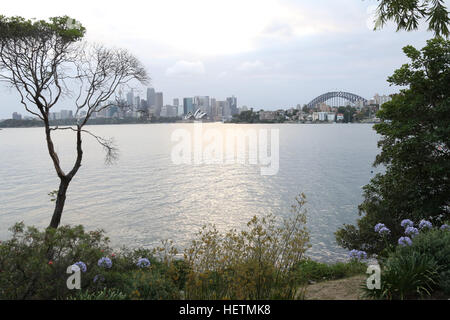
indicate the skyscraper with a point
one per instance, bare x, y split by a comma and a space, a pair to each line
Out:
232, 102
151, 97
202, 103
159, 102
188, 105
130, 98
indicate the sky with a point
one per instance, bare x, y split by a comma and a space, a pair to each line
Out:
270, 54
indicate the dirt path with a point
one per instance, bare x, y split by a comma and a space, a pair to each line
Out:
343, 289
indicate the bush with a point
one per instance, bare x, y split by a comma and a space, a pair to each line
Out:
309, 270
416, 271
33, 264
257, 263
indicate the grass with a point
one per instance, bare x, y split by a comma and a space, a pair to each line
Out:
313, 271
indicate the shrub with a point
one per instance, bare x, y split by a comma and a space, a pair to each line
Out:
33, 263
416, 270
257, 263
309, 270
406, 276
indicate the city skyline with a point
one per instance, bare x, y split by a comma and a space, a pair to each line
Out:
290, 54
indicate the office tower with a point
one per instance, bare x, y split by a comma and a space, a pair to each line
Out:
202, 103
137, 102
176, 102
188, 105
232, 102
16, 116
151, 97
130, 98
159, 102
213, 108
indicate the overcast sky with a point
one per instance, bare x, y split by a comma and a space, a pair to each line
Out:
268, 53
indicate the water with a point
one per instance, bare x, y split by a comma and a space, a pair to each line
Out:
144, 198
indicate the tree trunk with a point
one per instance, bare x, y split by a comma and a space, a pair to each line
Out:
60, 200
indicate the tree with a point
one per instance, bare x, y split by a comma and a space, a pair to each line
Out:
415, 151
42, 60
407, 14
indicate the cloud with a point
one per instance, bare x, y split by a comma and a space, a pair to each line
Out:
186, 68
252, 66
277, 28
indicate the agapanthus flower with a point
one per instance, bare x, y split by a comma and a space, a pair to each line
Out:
105, 262
357, 254
99, 278
407, 223
411, 231
384, 231
424, 224
379, 226
143, 262
81, 265
445, 227
405, 241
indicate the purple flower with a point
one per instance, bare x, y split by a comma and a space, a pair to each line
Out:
99, 278
105, 262
143, 262
404, 241
424, 224
384, 231
357, 254
379, 226
411, 231
81, 265
407, 223
445, 227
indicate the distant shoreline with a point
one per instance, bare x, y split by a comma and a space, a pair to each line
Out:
15, 124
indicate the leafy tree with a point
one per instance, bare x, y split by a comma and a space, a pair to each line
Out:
42, 60
407, 14
414, 151
245, 117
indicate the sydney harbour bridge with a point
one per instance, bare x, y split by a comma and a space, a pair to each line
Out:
336, 99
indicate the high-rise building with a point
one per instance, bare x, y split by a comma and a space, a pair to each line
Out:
130, 98
202, 103
188, 105
151, 97
159, 103
168, 111
380, 100
223, 109
176, 102
232, 102
137, 102
16, 116
213, 109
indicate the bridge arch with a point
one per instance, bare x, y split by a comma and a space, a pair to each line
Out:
336, 94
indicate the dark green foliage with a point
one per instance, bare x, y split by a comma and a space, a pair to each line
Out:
415, 150
246, 117
104, 294
406, 276
33, 264
309, 270
418, 270
407, 14
64, 27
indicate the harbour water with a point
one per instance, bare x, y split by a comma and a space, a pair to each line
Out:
144, 197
